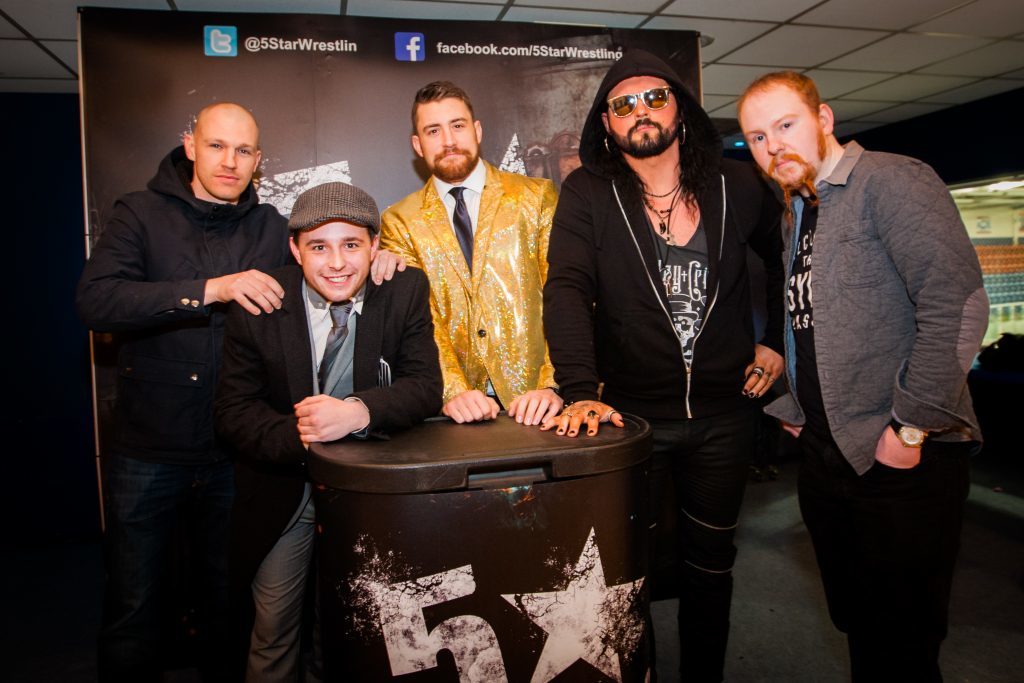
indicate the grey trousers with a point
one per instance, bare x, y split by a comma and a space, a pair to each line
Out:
279, 591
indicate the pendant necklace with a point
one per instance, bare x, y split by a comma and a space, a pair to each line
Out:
664, 215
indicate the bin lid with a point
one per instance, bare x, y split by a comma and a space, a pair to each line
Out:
440, 455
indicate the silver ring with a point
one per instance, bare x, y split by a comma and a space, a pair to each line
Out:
758, 370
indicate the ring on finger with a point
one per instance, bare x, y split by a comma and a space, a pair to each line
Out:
591, 414
758, 370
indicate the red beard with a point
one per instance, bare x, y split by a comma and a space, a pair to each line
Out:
803, 184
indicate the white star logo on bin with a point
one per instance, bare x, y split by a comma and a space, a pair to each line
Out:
586, 620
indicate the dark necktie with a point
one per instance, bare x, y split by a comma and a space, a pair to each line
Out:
339, 330
463, 225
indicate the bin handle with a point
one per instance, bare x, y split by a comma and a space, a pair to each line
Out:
504, 479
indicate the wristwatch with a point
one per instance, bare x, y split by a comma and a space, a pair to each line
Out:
911, 437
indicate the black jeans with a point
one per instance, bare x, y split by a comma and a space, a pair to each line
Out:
144, 503
702, 463
886, 543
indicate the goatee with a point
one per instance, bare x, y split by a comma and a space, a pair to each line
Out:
804, 184
648, 145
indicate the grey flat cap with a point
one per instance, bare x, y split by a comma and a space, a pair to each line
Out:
334, 202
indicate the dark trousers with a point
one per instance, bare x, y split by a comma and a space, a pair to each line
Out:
702, 464
146, 505
886, 543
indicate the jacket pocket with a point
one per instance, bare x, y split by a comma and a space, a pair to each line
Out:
164, 404
863, 260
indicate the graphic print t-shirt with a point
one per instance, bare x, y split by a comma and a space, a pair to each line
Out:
799, 301
684, 272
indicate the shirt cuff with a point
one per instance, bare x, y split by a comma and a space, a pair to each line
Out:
365, 431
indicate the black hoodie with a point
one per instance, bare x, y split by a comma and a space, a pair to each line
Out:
145, 280
606, 314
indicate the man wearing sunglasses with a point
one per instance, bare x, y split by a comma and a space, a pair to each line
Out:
877, 365
481, 235
648, 294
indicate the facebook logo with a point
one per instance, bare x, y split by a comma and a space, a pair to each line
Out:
409, 47
220, 41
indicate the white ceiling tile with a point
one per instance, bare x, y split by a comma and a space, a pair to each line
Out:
573, 17
904, 111
906, 52
48, 19
852, 109
55, 85
724, 79
838, 83
280, 6
67, 50
843, 130
995, 18
726, 112
990, 60
713, 102
910, 87
801, 46
728, 35
884, 14
25, 59
975, 91
610, 5
777, 10
7, 30
406, 9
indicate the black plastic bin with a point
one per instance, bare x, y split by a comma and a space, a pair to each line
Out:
484, 552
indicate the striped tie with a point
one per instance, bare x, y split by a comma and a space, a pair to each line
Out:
339, 330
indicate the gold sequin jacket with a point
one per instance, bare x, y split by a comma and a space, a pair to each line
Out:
487, 323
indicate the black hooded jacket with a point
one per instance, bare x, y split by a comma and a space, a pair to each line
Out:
145, 280
606, 314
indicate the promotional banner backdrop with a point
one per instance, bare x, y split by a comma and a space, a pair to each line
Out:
333, 95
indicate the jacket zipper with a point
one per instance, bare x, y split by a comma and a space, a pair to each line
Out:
714, 299
657, 295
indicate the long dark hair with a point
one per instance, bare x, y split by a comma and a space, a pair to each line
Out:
699, 155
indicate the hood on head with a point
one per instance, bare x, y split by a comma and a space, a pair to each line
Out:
637, 62
174, 178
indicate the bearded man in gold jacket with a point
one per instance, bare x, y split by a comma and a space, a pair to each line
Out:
481, 236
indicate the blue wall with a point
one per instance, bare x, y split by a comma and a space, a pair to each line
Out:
973, 141
48, 488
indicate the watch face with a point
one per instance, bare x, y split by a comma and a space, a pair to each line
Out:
911, 436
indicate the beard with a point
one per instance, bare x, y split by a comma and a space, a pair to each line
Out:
648, 145
802, 182
454, 169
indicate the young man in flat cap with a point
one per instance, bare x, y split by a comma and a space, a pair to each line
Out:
342, 357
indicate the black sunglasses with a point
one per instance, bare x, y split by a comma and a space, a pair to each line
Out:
654, 98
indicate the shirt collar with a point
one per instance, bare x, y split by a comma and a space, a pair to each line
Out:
317, 302
475, 181
841, 173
